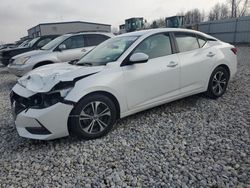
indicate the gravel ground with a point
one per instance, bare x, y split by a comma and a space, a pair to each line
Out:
194, 142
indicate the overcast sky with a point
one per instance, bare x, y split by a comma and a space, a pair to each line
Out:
17, 16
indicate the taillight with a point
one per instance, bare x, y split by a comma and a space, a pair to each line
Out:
234, 50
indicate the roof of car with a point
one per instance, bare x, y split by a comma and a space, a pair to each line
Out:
159, 30
91, 32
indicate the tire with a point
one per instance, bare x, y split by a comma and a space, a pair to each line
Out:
84, 124
218, 83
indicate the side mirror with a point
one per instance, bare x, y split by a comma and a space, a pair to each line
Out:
62, 47
138, 58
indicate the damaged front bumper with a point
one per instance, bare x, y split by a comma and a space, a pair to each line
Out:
42, 124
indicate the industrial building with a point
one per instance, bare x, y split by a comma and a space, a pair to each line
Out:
61, 28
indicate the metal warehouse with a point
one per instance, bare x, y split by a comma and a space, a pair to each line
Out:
60, 28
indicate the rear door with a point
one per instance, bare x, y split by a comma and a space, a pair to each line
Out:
156, 80
75, 46
196, 59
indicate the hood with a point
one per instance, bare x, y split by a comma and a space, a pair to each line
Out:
32, 53
15, 50
43, 79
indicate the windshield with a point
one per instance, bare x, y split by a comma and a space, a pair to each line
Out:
54, 43
107, 51
24, 44
33, 41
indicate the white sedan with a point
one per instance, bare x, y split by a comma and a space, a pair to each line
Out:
122, 76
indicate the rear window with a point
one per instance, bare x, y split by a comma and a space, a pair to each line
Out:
95, 39
73, 42
202, 41
186, 42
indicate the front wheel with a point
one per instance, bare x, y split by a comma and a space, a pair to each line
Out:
93, 117
218, 83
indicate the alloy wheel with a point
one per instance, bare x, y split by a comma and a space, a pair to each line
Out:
219, 83
95, 117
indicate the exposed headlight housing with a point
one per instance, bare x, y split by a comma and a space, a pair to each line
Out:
21, 60
57, 94
45, 100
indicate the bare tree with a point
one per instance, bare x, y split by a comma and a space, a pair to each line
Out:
194, 16
158, 23
214, 14
224, 11
218, 12
239, 7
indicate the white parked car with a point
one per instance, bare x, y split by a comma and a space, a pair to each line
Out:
65, 48
122, 76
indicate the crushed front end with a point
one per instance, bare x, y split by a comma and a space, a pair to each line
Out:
42, 116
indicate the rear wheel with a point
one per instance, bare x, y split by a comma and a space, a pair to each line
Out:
93, 117
218, 83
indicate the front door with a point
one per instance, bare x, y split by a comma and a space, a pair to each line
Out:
75, 49
156, 80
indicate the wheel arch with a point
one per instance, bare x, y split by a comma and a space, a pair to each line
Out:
225, 67
109, 95
220, 65
47, 62
105, 93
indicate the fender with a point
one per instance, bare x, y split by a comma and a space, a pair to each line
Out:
97, 83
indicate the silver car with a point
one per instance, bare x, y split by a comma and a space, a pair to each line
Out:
65, 48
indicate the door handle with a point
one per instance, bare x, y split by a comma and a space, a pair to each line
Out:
210, 54
83, 50
172, 64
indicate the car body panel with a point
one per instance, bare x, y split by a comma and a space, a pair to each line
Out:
41, 80
136, 87
72, 54
198, 63
51, 117
138, 78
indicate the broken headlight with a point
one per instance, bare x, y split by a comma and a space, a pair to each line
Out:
57, 94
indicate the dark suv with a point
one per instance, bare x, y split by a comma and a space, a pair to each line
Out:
34, 44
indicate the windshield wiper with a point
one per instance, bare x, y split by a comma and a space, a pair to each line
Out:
84, 64
73, 62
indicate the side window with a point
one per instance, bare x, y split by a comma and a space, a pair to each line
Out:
95, 39
201, 41
186, 42
74, 42
43, 42
155, 46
